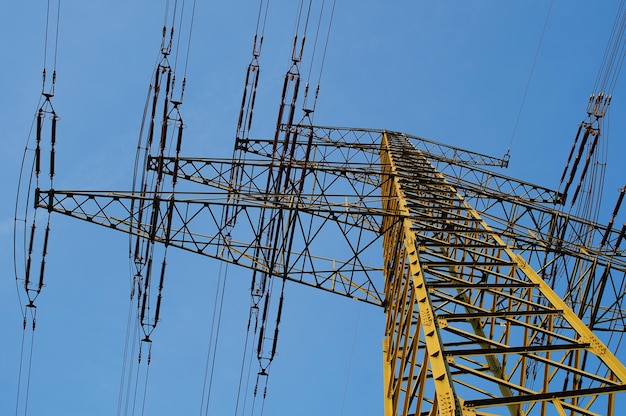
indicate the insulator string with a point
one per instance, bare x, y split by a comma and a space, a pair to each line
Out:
585, 172
274, 227
30, 265
159, 141
589, 184
246, 113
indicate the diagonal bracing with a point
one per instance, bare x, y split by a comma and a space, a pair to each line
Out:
490, 308
471, 327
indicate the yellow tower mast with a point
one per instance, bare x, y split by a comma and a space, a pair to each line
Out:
470, 264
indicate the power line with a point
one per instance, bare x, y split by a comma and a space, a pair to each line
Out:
530, 76
216, 322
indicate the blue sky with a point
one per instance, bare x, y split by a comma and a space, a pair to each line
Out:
450, 71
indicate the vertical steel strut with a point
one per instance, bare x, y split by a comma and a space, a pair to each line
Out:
467, 317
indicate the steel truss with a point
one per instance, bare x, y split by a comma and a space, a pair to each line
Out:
471, 327
473, 260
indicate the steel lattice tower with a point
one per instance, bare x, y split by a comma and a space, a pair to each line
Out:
491, 308
497, 300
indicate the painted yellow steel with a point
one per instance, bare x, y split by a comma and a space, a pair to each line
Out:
400, 387
596, 346
471, 327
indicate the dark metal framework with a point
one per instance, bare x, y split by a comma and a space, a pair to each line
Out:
513, 296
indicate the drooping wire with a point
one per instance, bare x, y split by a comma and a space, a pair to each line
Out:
247, 358
582, 182
147, 377
309, 110
127, 368
178, 34
193, 14
612, 60
291, 86
315, 39
248, 100
31, 341
32, 244
30, 359
244, 122
530, 78
45, 111
589, 146
354, 338
152, 209
276, 226
216, 322
229, 219
265, 356
304, 19
56, 46
330, 25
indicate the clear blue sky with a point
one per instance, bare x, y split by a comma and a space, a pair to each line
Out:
452, 71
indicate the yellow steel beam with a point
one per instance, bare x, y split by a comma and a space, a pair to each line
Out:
451, 285
445, 401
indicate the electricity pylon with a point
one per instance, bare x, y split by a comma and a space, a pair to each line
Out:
492, 306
